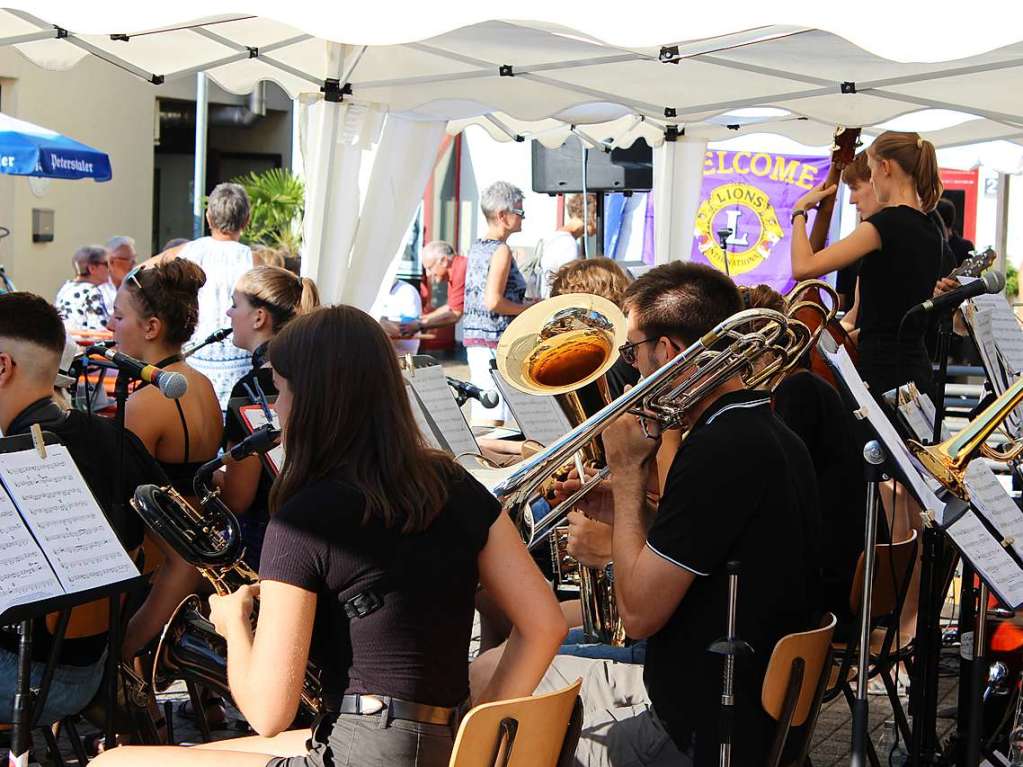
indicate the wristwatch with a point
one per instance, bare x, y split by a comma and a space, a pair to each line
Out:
797, 212
609, 572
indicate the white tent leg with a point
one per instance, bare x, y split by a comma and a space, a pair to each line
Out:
678, 179
402, 164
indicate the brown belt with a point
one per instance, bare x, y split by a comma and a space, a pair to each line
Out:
397, 709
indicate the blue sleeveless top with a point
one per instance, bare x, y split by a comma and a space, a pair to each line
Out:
480, 326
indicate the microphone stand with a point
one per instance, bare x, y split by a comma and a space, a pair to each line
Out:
873, 458
723, 235
923, 691
730, 647
117, 506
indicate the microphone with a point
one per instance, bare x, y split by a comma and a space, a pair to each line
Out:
213, 338
262, 440
486, 397
173, 385
990, 282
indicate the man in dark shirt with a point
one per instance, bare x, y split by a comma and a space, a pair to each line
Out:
31, 343
741, 488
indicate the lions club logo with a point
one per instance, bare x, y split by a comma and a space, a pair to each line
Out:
748, 212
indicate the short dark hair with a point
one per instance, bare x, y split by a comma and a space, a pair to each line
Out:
28, 317
682, 300
947, 211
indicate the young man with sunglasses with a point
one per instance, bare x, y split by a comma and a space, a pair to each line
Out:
741, 487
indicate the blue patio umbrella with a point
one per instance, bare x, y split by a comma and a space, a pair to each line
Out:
29, 150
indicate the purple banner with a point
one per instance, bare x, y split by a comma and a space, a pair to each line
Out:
752, 193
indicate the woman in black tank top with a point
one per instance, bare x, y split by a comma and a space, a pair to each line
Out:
900, 255
155, 312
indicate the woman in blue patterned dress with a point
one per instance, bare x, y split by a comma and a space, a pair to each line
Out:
495, 291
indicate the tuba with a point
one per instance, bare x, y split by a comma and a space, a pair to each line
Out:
563, 347
210, 539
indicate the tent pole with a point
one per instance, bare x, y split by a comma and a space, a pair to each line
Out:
199, 173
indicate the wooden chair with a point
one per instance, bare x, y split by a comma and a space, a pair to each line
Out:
524, 732
893, 570
793, 690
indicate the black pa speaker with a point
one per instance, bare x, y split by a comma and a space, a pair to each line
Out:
557, 171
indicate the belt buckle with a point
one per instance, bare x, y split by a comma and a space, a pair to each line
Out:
375, 704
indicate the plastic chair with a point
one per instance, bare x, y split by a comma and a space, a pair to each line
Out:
523, 732
793, 690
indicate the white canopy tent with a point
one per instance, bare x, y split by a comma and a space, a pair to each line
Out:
378, 98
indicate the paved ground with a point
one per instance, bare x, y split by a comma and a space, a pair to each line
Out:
831, 743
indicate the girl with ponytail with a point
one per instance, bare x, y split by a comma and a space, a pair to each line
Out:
265, 299
900, 255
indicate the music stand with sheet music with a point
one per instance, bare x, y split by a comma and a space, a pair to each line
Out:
940, 508
27, 705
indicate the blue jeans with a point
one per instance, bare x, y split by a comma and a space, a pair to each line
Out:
70, 691
576, 645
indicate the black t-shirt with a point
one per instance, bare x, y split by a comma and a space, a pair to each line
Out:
960, 246
899, 275
814, 410
742, 488
415, 646
93, 443
235, 432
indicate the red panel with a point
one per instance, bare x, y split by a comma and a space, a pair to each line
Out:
966, 180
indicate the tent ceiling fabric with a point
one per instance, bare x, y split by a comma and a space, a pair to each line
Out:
608, 78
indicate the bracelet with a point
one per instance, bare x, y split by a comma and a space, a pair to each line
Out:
797, 212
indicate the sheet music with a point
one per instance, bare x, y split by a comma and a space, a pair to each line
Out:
893, 444
994, 362
255, 417
432, 439
991, 501
26, 575
1005, 329
991, 561
65, 519
539, 417
435, 395
917, 420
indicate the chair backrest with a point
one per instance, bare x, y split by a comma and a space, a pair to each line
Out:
523, 732
893, 564
813, 648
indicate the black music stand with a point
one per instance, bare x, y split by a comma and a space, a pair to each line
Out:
28, 705
26, 711
953, 508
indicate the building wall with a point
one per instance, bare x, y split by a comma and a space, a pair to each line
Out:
98, 105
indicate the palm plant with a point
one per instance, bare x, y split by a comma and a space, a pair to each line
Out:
277, 199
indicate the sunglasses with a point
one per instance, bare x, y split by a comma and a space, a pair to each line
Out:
133, 278
518, 212
628, 351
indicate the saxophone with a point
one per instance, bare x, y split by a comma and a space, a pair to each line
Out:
209, 539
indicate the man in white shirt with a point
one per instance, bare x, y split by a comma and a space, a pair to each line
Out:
563, 246
402, 306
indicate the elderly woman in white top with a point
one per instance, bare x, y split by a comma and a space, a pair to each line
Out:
225, 260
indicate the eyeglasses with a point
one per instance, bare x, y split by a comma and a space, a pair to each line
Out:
518, 212
628, 351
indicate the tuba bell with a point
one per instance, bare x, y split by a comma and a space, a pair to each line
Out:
563, 347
